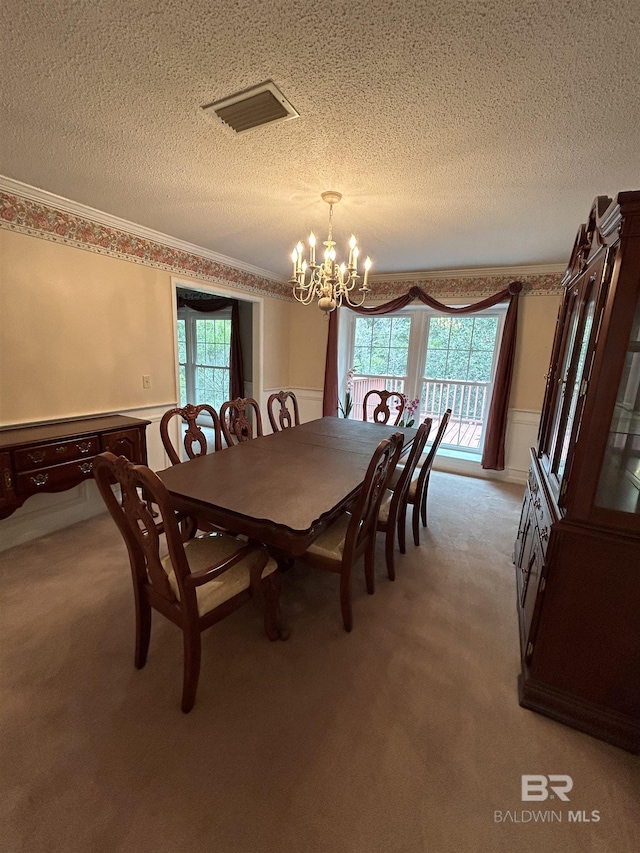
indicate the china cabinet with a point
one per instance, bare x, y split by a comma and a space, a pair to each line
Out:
577, 553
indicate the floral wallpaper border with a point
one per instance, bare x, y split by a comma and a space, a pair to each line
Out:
468, 287
42, 220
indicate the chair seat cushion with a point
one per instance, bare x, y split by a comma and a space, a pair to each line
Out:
330, 543
385, 506
414, 480
205, 551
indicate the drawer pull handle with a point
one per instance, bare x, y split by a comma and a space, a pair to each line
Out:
84, 446
537, 503
39, 479
86, 467
7, 479
544, 533
37, 456
61, 448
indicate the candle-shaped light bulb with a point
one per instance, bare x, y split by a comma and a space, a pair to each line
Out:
343, 270
352, 245
304, 268
367, 267
356, 252
300, 250
312, 248
332, 254
294, 258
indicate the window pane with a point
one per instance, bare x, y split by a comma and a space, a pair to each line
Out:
212, 342
364, 330
379, 361
457, 364
182, 342
439, 333
436, 367
480, 366
381, 332
362, 360
212, 386
461, 330
183, 385
484, 333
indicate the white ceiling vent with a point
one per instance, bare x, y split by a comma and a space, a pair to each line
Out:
256, 106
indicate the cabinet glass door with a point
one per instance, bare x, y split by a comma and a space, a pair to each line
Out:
619, 484
572, 377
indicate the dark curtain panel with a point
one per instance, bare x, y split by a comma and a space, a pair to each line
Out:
218, 303
330, 397
493, 453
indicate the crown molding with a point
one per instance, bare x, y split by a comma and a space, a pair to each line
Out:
10, 185
471, 272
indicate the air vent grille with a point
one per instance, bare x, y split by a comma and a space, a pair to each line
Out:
252, 108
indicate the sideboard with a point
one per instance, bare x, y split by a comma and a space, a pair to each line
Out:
58, 456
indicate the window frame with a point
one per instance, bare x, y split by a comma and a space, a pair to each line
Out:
191, 316
417, 352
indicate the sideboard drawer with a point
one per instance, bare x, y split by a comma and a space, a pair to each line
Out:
56, 478
41, 456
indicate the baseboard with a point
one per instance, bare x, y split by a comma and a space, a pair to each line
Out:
602, 723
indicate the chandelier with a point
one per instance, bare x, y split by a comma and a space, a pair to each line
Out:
329, 281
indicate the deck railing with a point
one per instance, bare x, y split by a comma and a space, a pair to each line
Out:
467, 401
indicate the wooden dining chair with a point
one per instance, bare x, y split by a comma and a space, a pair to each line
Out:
195, 444
234, 419
354, 533
418, 488
382, 412
394, 497
194, 436
285, 418
198, 583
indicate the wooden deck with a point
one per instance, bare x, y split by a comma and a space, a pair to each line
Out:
460, 433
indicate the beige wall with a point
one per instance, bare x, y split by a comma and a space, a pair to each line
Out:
309, 329
78, 330
276, 344
536, 326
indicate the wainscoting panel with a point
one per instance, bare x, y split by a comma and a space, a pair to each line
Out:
522, 433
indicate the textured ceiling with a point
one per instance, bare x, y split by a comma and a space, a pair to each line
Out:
460, 133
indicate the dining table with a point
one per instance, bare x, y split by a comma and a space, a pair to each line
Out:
285, 488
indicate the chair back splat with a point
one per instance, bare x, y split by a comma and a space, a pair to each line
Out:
178, 585
382, 412
194, 436
417, 495
284, 419
234, 418
393, 506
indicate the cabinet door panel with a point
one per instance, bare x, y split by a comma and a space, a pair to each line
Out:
125, 442
7, 488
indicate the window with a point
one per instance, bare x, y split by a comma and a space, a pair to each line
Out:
441, 360
204, 343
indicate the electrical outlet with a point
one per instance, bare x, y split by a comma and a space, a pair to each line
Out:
146, 381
